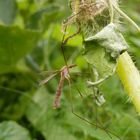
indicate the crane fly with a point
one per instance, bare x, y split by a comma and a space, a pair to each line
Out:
64, 74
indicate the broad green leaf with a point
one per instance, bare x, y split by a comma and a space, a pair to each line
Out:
7, 11
10, 130
111, 39
44, 118
15, 43
38, 112
60, 133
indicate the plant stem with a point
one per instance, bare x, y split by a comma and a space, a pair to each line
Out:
127, 17
111, 11
130, 77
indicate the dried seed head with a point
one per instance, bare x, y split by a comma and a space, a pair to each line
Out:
91, 15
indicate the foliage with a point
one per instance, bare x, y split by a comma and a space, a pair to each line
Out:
10, 130
30, 33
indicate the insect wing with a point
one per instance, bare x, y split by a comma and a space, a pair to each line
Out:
47, 79
48, 73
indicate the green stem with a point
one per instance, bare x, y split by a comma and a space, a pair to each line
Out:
130, 77
127, 17
111, 11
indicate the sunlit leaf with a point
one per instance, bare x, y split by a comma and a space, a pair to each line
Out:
10, 130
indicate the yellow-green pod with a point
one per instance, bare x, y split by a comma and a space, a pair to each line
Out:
130, 77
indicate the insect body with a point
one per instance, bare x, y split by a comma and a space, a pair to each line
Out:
64, 75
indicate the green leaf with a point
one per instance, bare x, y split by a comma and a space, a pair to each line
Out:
110, 39
59, 133
102, 49
99, 59
7, 11
15, 43
10, 130
37, 112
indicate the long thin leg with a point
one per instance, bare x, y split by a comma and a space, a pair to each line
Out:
87, 121
79, 92
71, 36
127, 17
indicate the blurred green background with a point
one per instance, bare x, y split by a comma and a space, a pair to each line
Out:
30, 38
